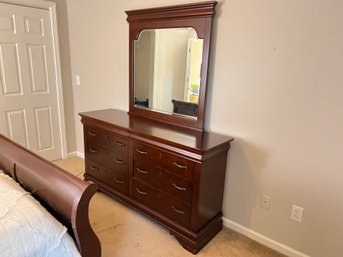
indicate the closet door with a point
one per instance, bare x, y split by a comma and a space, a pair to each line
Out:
29, 107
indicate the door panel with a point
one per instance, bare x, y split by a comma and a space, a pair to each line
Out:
29, 109
10, 76
7, 22
38, 67
44, 128
17, 127
34, 25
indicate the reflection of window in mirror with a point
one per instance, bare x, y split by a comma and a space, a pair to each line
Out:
144, 61
193, 69
167, 64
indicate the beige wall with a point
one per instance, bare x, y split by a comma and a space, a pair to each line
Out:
276, 85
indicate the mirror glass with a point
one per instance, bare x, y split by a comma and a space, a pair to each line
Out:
167, 69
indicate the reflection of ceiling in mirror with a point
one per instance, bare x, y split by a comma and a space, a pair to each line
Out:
167, 65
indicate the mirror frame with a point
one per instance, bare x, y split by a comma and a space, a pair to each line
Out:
196, 15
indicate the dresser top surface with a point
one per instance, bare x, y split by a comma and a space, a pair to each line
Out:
190, 139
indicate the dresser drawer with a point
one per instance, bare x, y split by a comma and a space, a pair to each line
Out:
160, 202
162, 159
107, 158
107, 139
107, 176
174, 186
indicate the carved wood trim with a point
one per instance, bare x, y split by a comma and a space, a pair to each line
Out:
173, 12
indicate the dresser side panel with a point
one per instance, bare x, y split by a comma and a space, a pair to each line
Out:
211, 180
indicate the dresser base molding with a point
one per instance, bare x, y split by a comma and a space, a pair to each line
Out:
192, 242
198, 240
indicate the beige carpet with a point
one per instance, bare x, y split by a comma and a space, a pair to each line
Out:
124, 232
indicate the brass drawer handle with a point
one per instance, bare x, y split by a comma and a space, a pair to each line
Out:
178, 211
119, 143
94, 168
141, 152
119, 181
141, 192
93, 134
142, 171
179, 188
180, 166
92, 150
120, 161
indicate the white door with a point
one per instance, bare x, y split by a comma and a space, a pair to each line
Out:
29, 109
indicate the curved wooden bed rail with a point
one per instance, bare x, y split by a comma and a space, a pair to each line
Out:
63, 194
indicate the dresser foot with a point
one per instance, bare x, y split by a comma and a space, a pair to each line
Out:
195, 242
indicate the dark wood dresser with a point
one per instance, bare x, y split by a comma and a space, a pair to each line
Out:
173, 175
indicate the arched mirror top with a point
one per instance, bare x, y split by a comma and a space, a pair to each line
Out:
169, 54
192, 32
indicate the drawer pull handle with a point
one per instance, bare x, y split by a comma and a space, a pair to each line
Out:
119, 143
94, 168
141, 152
178, 211
94, 134
180, 166
179, 188
142, 171
92, 150
141, 192
119, 181
120, 161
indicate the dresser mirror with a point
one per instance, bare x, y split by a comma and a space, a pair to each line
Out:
167, 65
169, 54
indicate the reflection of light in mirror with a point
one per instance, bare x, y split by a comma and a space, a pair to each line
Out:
167, 67
173, 135
178, 137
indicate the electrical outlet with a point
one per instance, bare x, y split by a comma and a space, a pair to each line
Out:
297, 213
266, 202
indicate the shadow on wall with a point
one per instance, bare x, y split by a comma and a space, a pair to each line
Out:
245, 160
67, 85
211, 66
242, 184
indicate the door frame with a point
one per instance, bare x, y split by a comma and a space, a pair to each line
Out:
51, 7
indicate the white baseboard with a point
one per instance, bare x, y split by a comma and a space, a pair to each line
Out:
281, 248
76, 154
71, 154
81, 155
